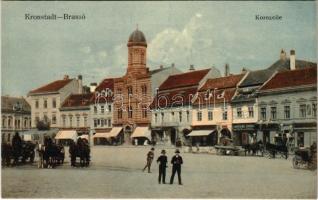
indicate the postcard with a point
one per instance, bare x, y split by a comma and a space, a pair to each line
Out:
159, 99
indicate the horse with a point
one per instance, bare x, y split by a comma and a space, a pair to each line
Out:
6, 154
81, 150
50, 154
255, 148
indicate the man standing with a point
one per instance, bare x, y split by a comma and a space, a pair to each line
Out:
17, 147
162, 167
176, 162
150, 156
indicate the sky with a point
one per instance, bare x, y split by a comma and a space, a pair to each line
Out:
204, 34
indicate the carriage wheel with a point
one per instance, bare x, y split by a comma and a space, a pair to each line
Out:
296, 163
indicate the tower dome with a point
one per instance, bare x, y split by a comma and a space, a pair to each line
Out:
137, 38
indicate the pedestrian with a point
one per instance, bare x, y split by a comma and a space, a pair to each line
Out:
162, 159
150, 157
176, 162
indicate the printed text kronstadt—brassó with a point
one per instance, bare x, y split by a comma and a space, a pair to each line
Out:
64, 16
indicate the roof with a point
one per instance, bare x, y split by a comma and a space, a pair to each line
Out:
106, 83
220, 96
259, 77
154, 71
222, 82
293, 78
174, 98
77, 100
137, 38
54, 86
14, 104
191, 78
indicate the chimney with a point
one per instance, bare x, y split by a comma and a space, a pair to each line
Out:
161, 66
292, 59
282, 54
66, 77
172, 64
191, 68
80, 84
93, 87
226, 70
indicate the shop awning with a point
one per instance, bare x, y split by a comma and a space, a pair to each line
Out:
102, 135
115, 131
141, 132
66, 134
200, 133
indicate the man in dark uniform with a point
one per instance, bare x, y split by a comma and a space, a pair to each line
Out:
150, 156
162, 166
176, 162
17, 147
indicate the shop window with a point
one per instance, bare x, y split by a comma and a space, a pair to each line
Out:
300, 139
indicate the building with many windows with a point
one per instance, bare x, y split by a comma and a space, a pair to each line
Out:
133, 92
212, 111
172, 106
287, 105
245, 103
46, 100
15, 116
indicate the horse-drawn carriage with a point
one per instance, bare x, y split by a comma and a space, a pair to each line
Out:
15, 154
271, 150
256, 148
80, 150
227, 148
50, 154
306, 158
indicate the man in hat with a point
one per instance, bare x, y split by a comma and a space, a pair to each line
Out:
176, 162
150, 156
162, 166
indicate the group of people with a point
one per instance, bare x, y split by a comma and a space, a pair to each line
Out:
162, 160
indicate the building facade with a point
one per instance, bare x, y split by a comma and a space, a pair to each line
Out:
212, 110
46, 101
245, 102
133, 92
288, 107
15, 116
172, 106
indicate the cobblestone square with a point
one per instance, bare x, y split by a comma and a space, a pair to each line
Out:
116, 172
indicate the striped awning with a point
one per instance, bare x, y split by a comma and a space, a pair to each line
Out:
200, 133
66, 134
141, 132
